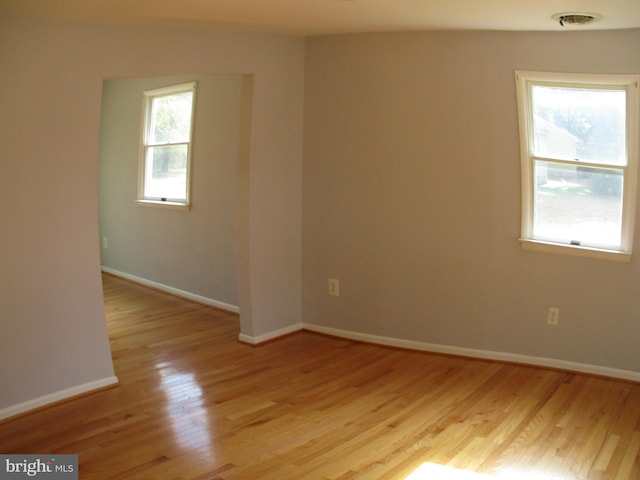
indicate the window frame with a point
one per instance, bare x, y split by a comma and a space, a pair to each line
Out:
629, 83
145, 144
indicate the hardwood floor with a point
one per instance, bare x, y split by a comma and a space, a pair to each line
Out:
193, 403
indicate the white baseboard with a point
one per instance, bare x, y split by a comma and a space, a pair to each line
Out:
174, 291
269, 336
475, 353
57, 397
451, 350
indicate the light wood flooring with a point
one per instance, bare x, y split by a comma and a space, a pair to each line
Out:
194, 403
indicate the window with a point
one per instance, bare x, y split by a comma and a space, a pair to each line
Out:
579, 149
165, 154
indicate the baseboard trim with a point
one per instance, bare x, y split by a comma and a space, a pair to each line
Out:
450, 350
173, 291
251, 340
480, 354
62, 395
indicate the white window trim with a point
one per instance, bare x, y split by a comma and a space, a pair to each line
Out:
630, 83
163, 204
144, 129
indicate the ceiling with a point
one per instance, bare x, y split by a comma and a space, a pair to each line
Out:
314, 17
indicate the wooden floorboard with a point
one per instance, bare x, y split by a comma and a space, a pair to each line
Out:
194, 403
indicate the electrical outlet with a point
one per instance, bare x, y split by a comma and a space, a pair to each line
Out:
105, 242
334, 287
553, 316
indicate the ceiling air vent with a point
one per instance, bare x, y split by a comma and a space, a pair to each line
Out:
576, 18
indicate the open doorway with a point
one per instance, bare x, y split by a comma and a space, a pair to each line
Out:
189, 252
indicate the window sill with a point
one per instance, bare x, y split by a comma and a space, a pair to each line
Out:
161, 204
574, 250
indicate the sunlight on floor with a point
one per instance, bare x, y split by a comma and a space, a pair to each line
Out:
432, 471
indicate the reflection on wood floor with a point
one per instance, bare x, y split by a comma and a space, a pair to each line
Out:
193, 403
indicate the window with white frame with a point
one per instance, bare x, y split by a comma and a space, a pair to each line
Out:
579, 150
165, 154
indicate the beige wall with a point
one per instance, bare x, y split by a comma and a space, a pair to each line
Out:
53, 334
412, 198
193, 251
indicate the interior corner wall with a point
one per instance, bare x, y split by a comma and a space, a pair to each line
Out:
412, 197
53, 333
193, 251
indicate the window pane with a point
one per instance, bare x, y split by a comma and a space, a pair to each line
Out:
574, 203
171, 118
577, 123
166, 172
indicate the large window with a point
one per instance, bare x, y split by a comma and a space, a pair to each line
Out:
579, 149
165, 155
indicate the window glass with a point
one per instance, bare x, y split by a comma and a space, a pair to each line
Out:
578, 123
166, 173
171, 118
574, 204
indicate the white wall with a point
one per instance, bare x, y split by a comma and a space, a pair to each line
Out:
192, 251
412, 198
53, 334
